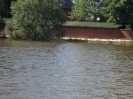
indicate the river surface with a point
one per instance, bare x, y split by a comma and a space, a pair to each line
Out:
65, 70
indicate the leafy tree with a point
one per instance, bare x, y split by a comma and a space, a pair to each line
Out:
7, 11
37, 18
2, 23
120, 11
5, 8
2, 6
88, 10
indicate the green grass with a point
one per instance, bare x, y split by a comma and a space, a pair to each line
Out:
92, 24
84, 24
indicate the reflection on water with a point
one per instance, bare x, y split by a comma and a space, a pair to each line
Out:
65, 70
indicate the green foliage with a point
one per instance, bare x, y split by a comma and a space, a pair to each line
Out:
36, 18
2, 6
128, 27
5, 8
9, 26
88, 10
119, 11
15, 35
2, 24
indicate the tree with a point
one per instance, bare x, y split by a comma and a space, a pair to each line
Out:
5, 8
37, 18
2, 23
120, 11
2, 6
88, 10
7, 12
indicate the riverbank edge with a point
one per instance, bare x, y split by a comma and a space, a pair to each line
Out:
90, 34
83, 39
105, 41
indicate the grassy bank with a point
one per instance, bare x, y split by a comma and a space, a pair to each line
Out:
92, 24
84, 24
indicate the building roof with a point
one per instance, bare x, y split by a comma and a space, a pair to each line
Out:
67, 4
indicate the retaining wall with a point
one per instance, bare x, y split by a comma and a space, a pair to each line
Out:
97, 33
92, 33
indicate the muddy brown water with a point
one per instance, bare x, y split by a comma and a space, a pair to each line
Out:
65, 70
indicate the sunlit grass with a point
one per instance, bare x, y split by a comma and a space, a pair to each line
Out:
83, 24
92, 24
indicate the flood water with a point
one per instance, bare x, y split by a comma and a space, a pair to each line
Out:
65, 70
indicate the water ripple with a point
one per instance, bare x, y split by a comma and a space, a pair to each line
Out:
65, 70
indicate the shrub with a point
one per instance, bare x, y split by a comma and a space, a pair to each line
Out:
128, 27
36, 18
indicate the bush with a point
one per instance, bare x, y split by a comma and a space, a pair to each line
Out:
37, 18
128, 27
17, 35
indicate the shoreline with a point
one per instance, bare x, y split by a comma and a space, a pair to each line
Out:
96, 39
102, 41
87, 39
